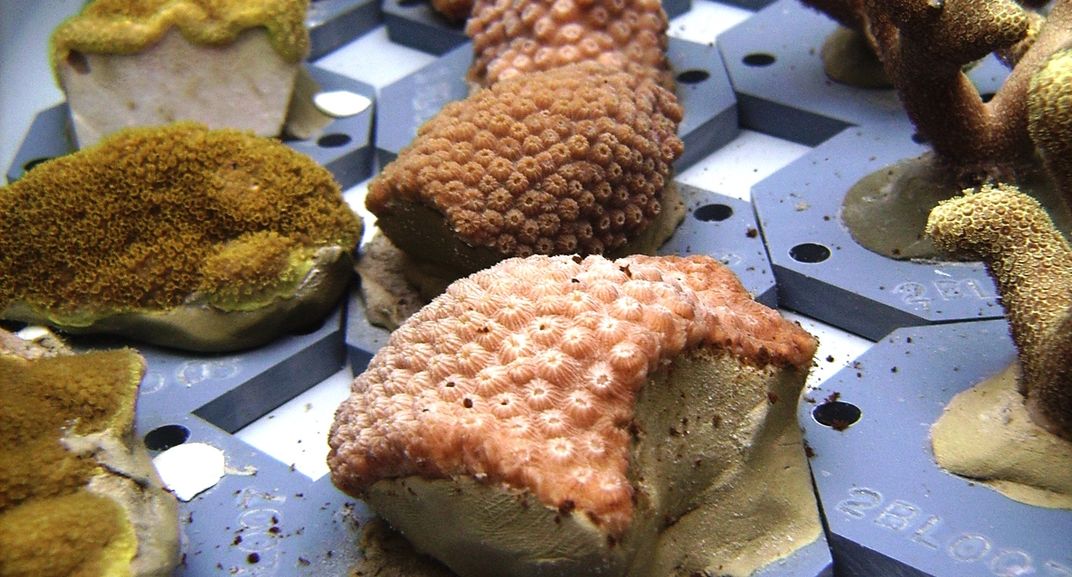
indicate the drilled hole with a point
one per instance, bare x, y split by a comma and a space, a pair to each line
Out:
333, 140
694, 76
759, 59
809, 252
987, 96
837, 415
713, 212
166, 437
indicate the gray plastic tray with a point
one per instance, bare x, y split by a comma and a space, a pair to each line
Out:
824, 274
890, 509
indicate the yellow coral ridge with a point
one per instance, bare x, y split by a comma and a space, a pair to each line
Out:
49, 523
129, 26
1032, 264
152, 216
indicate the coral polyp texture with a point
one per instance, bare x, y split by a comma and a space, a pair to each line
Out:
1032, 264
128, 26
78, 495
537, 384
185, 236
568, 160
511, 38
1050, 117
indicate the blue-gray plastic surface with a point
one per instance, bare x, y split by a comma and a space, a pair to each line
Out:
853, 288
333, 23
890, 509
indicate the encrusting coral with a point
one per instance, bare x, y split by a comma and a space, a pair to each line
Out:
156, 222
569, 160
76, 496
1032, 264
529, 378
127, 26
511, 38
924, 48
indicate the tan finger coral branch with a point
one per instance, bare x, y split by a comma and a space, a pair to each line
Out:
1049, 105
1032, 264
526, 374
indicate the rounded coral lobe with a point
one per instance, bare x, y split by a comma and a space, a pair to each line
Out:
572, 160
151, 216
514, 38
526, 374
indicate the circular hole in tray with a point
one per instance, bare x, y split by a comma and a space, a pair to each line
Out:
713, 212
809, 252
987, 96
694, 76
33, 163
333, 140
758, 59
166, 437
837, 415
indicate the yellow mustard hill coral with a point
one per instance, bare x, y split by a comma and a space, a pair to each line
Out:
152, 216
1032, 264
128, 26
50, 524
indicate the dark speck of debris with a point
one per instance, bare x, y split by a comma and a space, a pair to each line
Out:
237, 540
839, 424
829, 358
893, 369
716, 421
833, 397
253, 558
808, 451
751, 232
304, 562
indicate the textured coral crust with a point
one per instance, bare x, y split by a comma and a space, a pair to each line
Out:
563, 161
128, 26
519, 36
526, 374
151, 216
1049, 106
44, 400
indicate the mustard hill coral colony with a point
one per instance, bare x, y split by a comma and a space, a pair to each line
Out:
566, 145
127, 63
575, 416
78, 494
177, 235
1026, 447
924, 48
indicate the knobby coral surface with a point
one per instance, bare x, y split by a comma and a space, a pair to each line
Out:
127, 26
1050, 117
511, 38
526, 374
1032, 264
152, 216
572, 159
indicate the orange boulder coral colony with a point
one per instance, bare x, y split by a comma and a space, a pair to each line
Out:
526, 375
574, 162
511, 38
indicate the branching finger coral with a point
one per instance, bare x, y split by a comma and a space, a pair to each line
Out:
1049, 104
1032, 264
155, 221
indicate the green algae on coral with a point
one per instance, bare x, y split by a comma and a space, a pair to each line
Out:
57, 516
158, 221
130, 26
